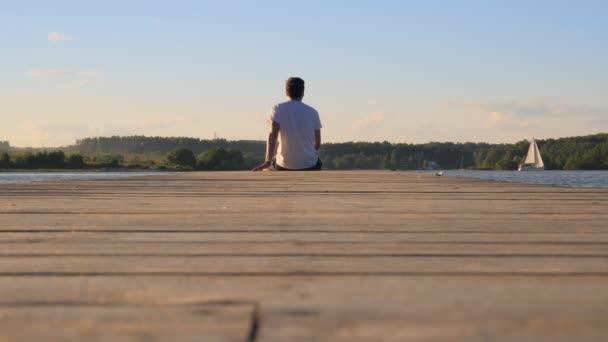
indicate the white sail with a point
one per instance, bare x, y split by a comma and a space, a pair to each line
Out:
534, 158
539, 159
531, 157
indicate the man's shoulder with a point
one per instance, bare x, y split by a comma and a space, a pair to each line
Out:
296, 105
310, 108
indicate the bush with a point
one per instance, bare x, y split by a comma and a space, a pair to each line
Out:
181, 157
41, 160
76, 161
346, 162
219, 158
506, 165
5, 160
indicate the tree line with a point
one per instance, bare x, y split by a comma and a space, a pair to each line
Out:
159, 145
5, 146
214, 159
575, 153
585, 152
42, 160
180, 158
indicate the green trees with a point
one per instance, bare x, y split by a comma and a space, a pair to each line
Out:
106, 160
344, 162
57, 160
585, 152
181, 157
5, 160
502, 157
214, 159
594, 159
76, 161
159, 145
505, 164
41, 160
219, 158
576, 153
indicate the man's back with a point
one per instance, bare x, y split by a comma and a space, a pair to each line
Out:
298, 123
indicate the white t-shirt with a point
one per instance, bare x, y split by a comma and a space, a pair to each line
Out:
298, 123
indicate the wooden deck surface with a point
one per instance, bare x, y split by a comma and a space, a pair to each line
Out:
325, 256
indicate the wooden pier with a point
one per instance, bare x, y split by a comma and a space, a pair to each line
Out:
322, 256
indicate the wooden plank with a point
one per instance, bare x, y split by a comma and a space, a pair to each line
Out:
117, 321
233, 265
365, 309
358, 248
325, 256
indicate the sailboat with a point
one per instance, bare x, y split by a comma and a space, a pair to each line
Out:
533, 161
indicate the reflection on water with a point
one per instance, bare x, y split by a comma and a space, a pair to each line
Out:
25, 177
562, 178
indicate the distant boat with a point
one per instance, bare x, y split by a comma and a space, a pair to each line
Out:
533, 161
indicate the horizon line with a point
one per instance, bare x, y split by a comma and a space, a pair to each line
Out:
327, 142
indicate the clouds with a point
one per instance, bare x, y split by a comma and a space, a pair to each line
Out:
496, 118
87, 77
57, 37
77, 79
378, 125
538, 115
44, 73
508, 120
542, 107
52, 133
62, 76
369, 121
523, 112
59, 118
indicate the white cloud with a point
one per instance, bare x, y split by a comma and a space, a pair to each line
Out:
38, 137
77, 79
543, 107
57, 37
509, 120
156, 126
87, 77
43, 73
497, 118
45, 133
366, 122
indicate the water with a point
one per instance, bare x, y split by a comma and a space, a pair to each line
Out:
562, 178
26, 177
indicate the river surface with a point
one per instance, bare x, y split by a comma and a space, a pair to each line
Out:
563, 178
26, 177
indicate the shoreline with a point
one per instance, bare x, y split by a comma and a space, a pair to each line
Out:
94, 170
588, 179
66, 177
560, 178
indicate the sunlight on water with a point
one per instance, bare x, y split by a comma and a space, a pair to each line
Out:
562, 178
26, 177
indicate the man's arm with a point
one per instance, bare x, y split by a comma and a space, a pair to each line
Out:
317, 139
271, 144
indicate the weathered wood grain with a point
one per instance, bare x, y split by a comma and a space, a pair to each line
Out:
326, 256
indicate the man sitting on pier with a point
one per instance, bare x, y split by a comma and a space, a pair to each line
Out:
297, 128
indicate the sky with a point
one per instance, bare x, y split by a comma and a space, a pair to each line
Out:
399, 71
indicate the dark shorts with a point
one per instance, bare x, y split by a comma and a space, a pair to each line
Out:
317, 167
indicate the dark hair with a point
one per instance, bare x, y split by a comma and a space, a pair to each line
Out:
295, 88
